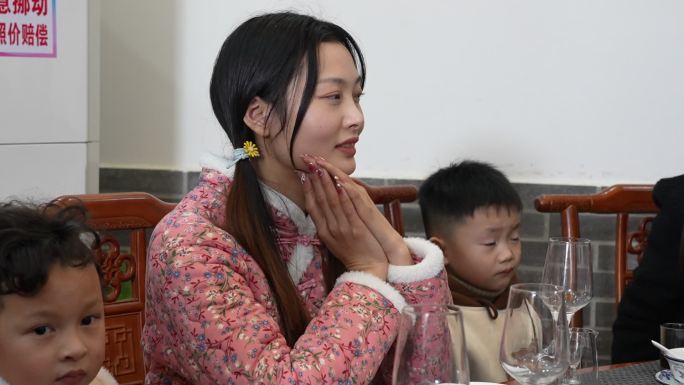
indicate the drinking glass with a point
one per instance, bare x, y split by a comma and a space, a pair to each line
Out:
534, 344
671, 336
430, 347
582, 355
568, 265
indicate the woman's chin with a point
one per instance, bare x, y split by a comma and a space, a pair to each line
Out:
346, 164
348, 167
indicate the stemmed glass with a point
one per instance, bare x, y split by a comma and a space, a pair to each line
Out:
568, 265
534, 344
430, 347
582, 354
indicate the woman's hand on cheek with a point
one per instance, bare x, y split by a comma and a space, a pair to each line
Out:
391, 242
338, 224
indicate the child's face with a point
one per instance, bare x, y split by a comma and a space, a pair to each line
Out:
484, 250
56, 336
334, 120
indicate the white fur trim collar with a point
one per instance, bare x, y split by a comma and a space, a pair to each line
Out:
373, 282
218, 163
302, 254
431, 264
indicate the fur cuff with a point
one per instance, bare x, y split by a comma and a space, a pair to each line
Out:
431, 265
373, 282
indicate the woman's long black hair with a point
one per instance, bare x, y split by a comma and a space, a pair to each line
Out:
262, 58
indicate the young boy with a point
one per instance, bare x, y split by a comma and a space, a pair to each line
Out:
51, 308
472, 212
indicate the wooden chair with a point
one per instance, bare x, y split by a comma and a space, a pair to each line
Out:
136, 213
391, 198
618, 200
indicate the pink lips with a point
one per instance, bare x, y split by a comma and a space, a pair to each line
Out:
73, 377
347, 147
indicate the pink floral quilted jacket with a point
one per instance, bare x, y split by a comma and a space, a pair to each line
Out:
210, 316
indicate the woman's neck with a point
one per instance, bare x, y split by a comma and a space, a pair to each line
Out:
284, 181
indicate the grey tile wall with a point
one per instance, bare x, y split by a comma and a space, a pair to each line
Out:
536, 229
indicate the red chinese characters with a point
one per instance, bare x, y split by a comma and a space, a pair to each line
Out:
42, 35
3, 34
21, 7
4, 7
27, 28
28, 36
23, 34
14, 33
24, 7
40, 7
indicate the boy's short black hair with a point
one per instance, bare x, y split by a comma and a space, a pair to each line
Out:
33, 238
456, 191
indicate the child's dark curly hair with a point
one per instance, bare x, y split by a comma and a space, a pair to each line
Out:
33, 238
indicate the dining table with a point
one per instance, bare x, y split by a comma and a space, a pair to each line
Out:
632, 373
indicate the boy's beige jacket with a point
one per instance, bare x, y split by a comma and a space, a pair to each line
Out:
483, 339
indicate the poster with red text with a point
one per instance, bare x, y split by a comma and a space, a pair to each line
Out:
28, 28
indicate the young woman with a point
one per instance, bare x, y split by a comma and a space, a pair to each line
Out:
277, 268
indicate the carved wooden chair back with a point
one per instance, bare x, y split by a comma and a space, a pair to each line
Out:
391, 198
618, 200
123, 263
123, 267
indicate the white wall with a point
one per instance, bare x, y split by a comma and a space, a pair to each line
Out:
49, 109
576, 92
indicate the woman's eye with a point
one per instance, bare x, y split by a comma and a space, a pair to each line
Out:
489, 244
88, 320
358, 96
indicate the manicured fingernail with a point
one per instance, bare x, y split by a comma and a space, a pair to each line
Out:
318, 171
338, 186
302, 177
312, 167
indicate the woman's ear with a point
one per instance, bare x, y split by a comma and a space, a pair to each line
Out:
442, 246
256, 116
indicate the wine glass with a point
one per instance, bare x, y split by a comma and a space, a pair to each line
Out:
583, 355
568, 265
430, 347
534, 344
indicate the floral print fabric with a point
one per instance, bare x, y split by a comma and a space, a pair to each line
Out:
210, 316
